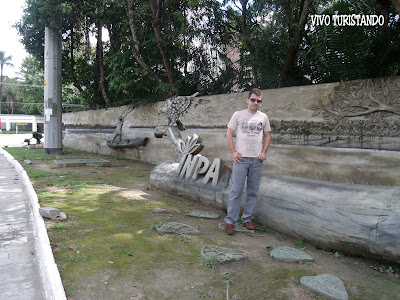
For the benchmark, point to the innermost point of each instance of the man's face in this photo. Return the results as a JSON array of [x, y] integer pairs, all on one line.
[[254, 102]]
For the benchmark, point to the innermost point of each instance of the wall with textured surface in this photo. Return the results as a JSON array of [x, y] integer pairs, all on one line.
[[343, 132]]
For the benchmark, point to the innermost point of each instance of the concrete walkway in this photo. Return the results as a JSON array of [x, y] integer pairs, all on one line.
[[27, 267]]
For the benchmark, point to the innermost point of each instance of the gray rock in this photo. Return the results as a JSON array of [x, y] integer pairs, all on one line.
[[49, 212], [177, 228], [222, 254], [161, 210], [27, 162], [203, 214], [62, 216], [290, 254], [327, 285], [79, 162]]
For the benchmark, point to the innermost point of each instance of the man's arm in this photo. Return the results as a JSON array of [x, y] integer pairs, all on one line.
[[229, 138], [267, 141]]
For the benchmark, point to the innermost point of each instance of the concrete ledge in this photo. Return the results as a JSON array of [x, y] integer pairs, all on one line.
[[359, 220], [49, 271]]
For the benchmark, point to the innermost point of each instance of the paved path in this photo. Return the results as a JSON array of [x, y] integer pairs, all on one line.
[[19, 264]]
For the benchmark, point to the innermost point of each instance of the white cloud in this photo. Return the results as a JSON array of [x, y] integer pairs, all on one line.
[[10, 13]]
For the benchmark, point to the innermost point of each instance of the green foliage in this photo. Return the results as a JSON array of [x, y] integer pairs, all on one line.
[[223, 48], [77, 258], [185, 237], [129, 253], [57, 226], [210, 262], [34, 173], [227, 277], [337, 254], [32, 93]]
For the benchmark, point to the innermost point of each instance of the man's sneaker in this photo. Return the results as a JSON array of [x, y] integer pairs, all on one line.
[[249, 225], [229, 229]]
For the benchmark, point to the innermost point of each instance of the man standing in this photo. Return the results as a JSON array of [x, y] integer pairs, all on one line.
[[248, 153]]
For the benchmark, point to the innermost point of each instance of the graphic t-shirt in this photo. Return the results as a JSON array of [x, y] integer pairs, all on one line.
[[250, 130]]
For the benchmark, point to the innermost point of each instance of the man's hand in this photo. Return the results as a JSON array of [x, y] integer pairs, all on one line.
[[262, 156], [237, 156]]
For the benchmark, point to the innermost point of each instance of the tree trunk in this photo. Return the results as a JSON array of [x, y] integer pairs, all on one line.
[[101, 65], [396, 4], [248, 43], [135, 48], [295, 41], [156, 6], [72, 63], [1, 87], [385, 11]]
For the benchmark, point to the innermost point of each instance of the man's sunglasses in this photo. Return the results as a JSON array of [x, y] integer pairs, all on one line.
[[254, 100]]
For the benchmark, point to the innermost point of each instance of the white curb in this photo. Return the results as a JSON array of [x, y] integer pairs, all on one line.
[[51, 277]]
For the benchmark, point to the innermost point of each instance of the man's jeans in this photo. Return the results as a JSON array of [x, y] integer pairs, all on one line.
[[250, 168]]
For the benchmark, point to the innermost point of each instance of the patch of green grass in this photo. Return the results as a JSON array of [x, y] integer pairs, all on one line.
[[337, 254], [129, 253], [77, 258], [210, 262], [261, 229], [185, 237], [300, 243], [35, 173], [75, 185], [108, 227], [57, 226], [281, 237], [66, 176], [22, 154]]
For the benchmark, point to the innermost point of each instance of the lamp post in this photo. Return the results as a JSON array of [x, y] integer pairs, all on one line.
[[52, 86]]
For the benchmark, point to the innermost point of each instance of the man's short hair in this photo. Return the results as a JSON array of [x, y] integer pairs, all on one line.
[[256, 92]]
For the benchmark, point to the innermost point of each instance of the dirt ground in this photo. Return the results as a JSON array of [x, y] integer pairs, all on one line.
[[109, 248]]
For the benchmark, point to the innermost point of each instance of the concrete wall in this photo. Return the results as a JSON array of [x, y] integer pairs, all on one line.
[[303, 143]]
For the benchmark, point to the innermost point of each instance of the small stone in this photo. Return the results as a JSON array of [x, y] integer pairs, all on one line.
[[290, 254], [203, 214], [177, 228], [327, 285], [62, 216], [27, 162], [49, 212], [160, 210], [222, 254]]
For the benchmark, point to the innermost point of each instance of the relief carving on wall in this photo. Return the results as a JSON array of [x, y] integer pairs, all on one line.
[[372, 99]]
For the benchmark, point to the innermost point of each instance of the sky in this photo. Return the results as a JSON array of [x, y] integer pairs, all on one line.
[[10, 13]]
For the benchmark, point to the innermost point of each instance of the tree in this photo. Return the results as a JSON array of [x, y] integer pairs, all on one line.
[[4, 61], [32, 92], [299, 16], [161, 47]]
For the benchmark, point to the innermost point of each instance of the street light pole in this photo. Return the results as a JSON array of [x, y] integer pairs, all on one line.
[[52, 89]]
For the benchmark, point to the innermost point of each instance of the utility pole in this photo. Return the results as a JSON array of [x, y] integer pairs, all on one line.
[[52, 86]]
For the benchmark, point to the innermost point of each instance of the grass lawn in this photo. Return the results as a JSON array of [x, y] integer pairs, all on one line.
[[109, 248]]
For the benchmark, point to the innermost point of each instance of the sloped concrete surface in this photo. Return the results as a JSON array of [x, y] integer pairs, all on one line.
[[27, 267]]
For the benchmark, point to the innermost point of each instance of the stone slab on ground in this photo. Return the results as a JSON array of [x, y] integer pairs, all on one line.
[[327, 285], [222, 254], [49, 212], [290, 254], [238, 228], [79, 162], [177, 228], [203, 214]]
